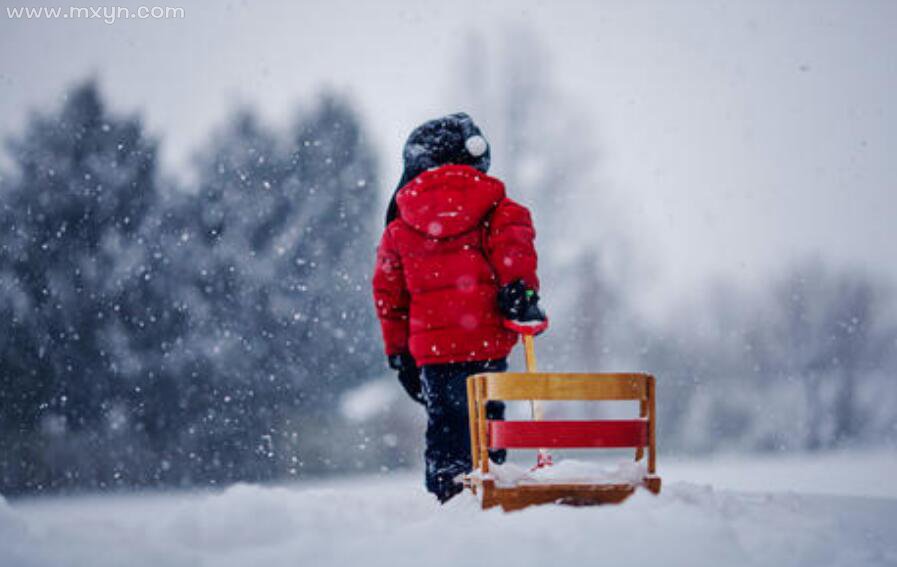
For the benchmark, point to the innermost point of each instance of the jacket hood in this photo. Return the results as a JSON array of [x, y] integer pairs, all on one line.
[[448, 200]]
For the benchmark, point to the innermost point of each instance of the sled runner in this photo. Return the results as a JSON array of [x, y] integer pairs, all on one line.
[[538, 434]]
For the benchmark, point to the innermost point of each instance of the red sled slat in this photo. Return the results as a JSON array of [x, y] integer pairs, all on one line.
[[567, 434]]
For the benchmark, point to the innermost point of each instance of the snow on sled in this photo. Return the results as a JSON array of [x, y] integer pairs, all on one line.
[[517, 491]]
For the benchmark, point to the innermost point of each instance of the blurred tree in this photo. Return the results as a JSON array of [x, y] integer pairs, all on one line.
[[805, 363], [334, 255], [830, 334], [285, 235], [154, 335], [72, 253]]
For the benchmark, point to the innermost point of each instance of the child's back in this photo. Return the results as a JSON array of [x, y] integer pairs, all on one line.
[[456, 241]]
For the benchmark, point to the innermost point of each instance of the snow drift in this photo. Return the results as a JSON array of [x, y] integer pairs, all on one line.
[[389, 520]]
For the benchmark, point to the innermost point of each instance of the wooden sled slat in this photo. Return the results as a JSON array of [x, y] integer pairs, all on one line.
[[554, 386], [567, 434], [525, 495]]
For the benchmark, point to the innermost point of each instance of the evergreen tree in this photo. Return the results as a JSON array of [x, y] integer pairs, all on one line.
[[72, 250], [335, 252], [284, 230]]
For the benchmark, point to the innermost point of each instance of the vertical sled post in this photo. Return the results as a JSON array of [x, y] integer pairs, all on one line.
[[472, 418]]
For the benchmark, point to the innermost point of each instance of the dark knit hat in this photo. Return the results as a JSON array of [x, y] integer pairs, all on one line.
[[451, 139]]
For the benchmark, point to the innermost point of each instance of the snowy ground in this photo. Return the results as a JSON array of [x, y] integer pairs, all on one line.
[[796, 510]]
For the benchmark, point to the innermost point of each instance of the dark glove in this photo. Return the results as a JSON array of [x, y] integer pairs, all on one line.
[[517, 303], [409, 375]]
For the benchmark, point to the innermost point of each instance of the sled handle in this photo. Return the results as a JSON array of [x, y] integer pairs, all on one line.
[[530, 351], [527, 331], [543, 457]]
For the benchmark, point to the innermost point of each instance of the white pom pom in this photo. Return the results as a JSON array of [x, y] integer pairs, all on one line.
[[476, 145]]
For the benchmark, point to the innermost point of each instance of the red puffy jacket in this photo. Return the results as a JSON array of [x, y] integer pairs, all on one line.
[[440, 264]]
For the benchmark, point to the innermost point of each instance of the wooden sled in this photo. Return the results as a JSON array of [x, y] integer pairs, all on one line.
[[487, 434]]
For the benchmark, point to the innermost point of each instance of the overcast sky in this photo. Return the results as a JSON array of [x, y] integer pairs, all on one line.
[[739, 135]]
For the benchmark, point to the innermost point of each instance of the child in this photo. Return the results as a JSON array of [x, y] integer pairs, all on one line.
[[455, 262]]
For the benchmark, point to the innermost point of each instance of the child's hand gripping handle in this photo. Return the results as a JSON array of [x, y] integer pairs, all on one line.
[[528, 330], [520, 307]]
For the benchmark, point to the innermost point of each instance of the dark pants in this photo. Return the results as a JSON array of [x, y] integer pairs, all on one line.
[[448, 434]]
